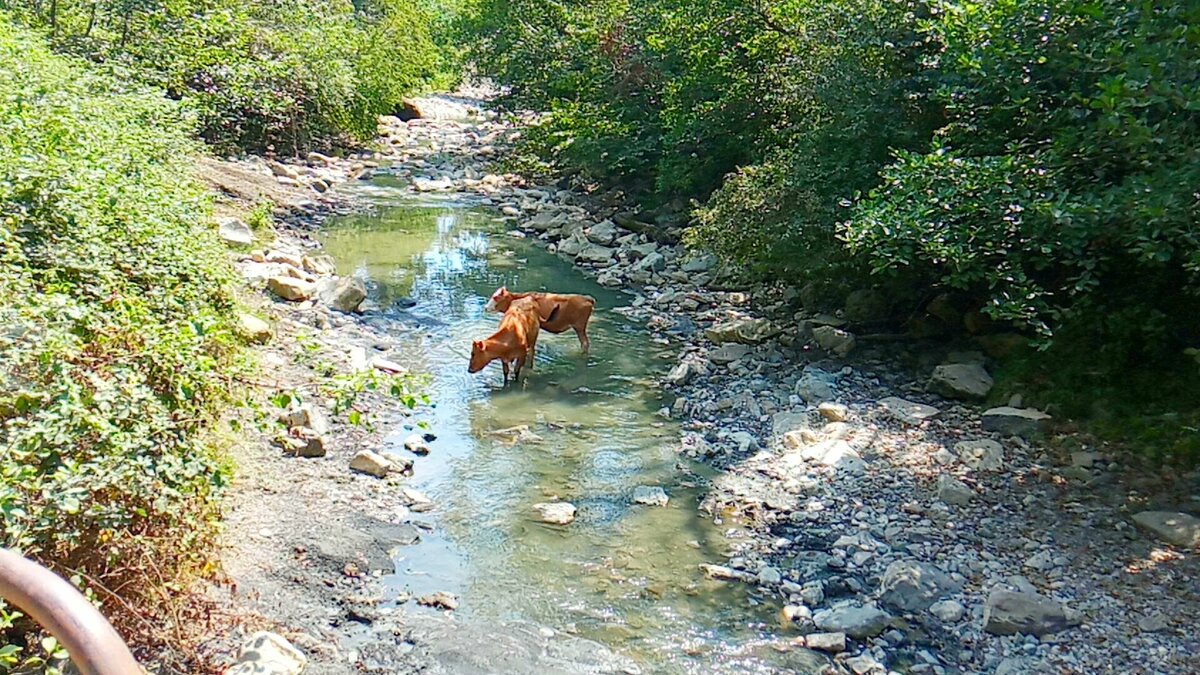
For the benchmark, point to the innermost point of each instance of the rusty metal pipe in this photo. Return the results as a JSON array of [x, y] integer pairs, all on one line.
[[94, 646]]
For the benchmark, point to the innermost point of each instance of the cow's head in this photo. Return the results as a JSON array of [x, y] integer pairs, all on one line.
[[479, 357], [499, 301]]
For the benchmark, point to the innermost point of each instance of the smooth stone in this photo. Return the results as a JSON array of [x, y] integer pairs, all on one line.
[[1179, 529], [907, 412], [1024, 422], [291, 288], [375, 464], [1009, 613], [555, 513], [834, 643], [857, 621], [969, 381]]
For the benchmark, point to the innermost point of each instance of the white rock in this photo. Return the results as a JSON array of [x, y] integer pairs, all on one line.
[[291, 288], [234, 232], [268, 654], [415, 443], [834, 412], [557, 513], [949, 611], [769, 576], [375, 464]]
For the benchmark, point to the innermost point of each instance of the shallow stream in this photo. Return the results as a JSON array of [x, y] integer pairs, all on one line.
[[582, 428]]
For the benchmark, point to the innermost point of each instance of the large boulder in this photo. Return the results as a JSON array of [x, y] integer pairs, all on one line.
[[345, 294], [1011, 612], [961, 381], [1024, 422], [1179, 529], [857, 621], [911, 586]]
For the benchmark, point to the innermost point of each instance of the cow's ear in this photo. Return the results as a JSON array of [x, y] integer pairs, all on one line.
[[478, 344], [503, 290]]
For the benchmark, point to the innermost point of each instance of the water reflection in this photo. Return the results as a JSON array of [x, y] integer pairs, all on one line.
[[582, 429]]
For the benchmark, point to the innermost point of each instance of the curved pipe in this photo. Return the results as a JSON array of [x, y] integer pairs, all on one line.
[[94, 646]]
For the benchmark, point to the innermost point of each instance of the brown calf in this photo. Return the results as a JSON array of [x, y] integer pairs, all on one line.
[[516, 341], [557, 311]]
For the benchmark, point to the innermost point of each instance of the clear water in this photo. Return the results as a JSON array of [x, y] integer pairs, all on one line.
[[625, 575]]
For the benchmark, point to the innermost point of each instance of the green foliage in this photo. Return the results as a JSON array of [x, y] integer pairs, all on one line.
[[1039, 159], [115, 308], [282, 75]]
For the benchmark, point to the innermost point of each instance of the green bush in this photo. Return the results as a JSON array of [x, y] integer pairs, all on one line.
[[115, 327], [282, 75], [1037, 159]]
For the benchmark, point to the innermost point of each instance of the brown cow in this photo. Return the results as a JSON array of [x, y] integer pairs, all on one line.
[[515, 341], [557, 311]]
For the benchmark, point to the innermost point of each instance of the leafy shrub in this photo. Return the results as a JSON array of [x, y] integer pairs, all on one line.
[[114, 327], [1064, 181], [284, 75]]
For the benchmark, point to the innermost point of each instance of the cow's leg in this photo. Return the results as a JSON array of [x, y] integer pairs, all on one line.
[[581, 332], [520, 365], [504, 363]]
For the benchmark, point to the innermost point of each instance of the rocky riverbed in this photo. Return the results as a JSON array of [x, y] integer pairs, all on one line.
[[903, 526]]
